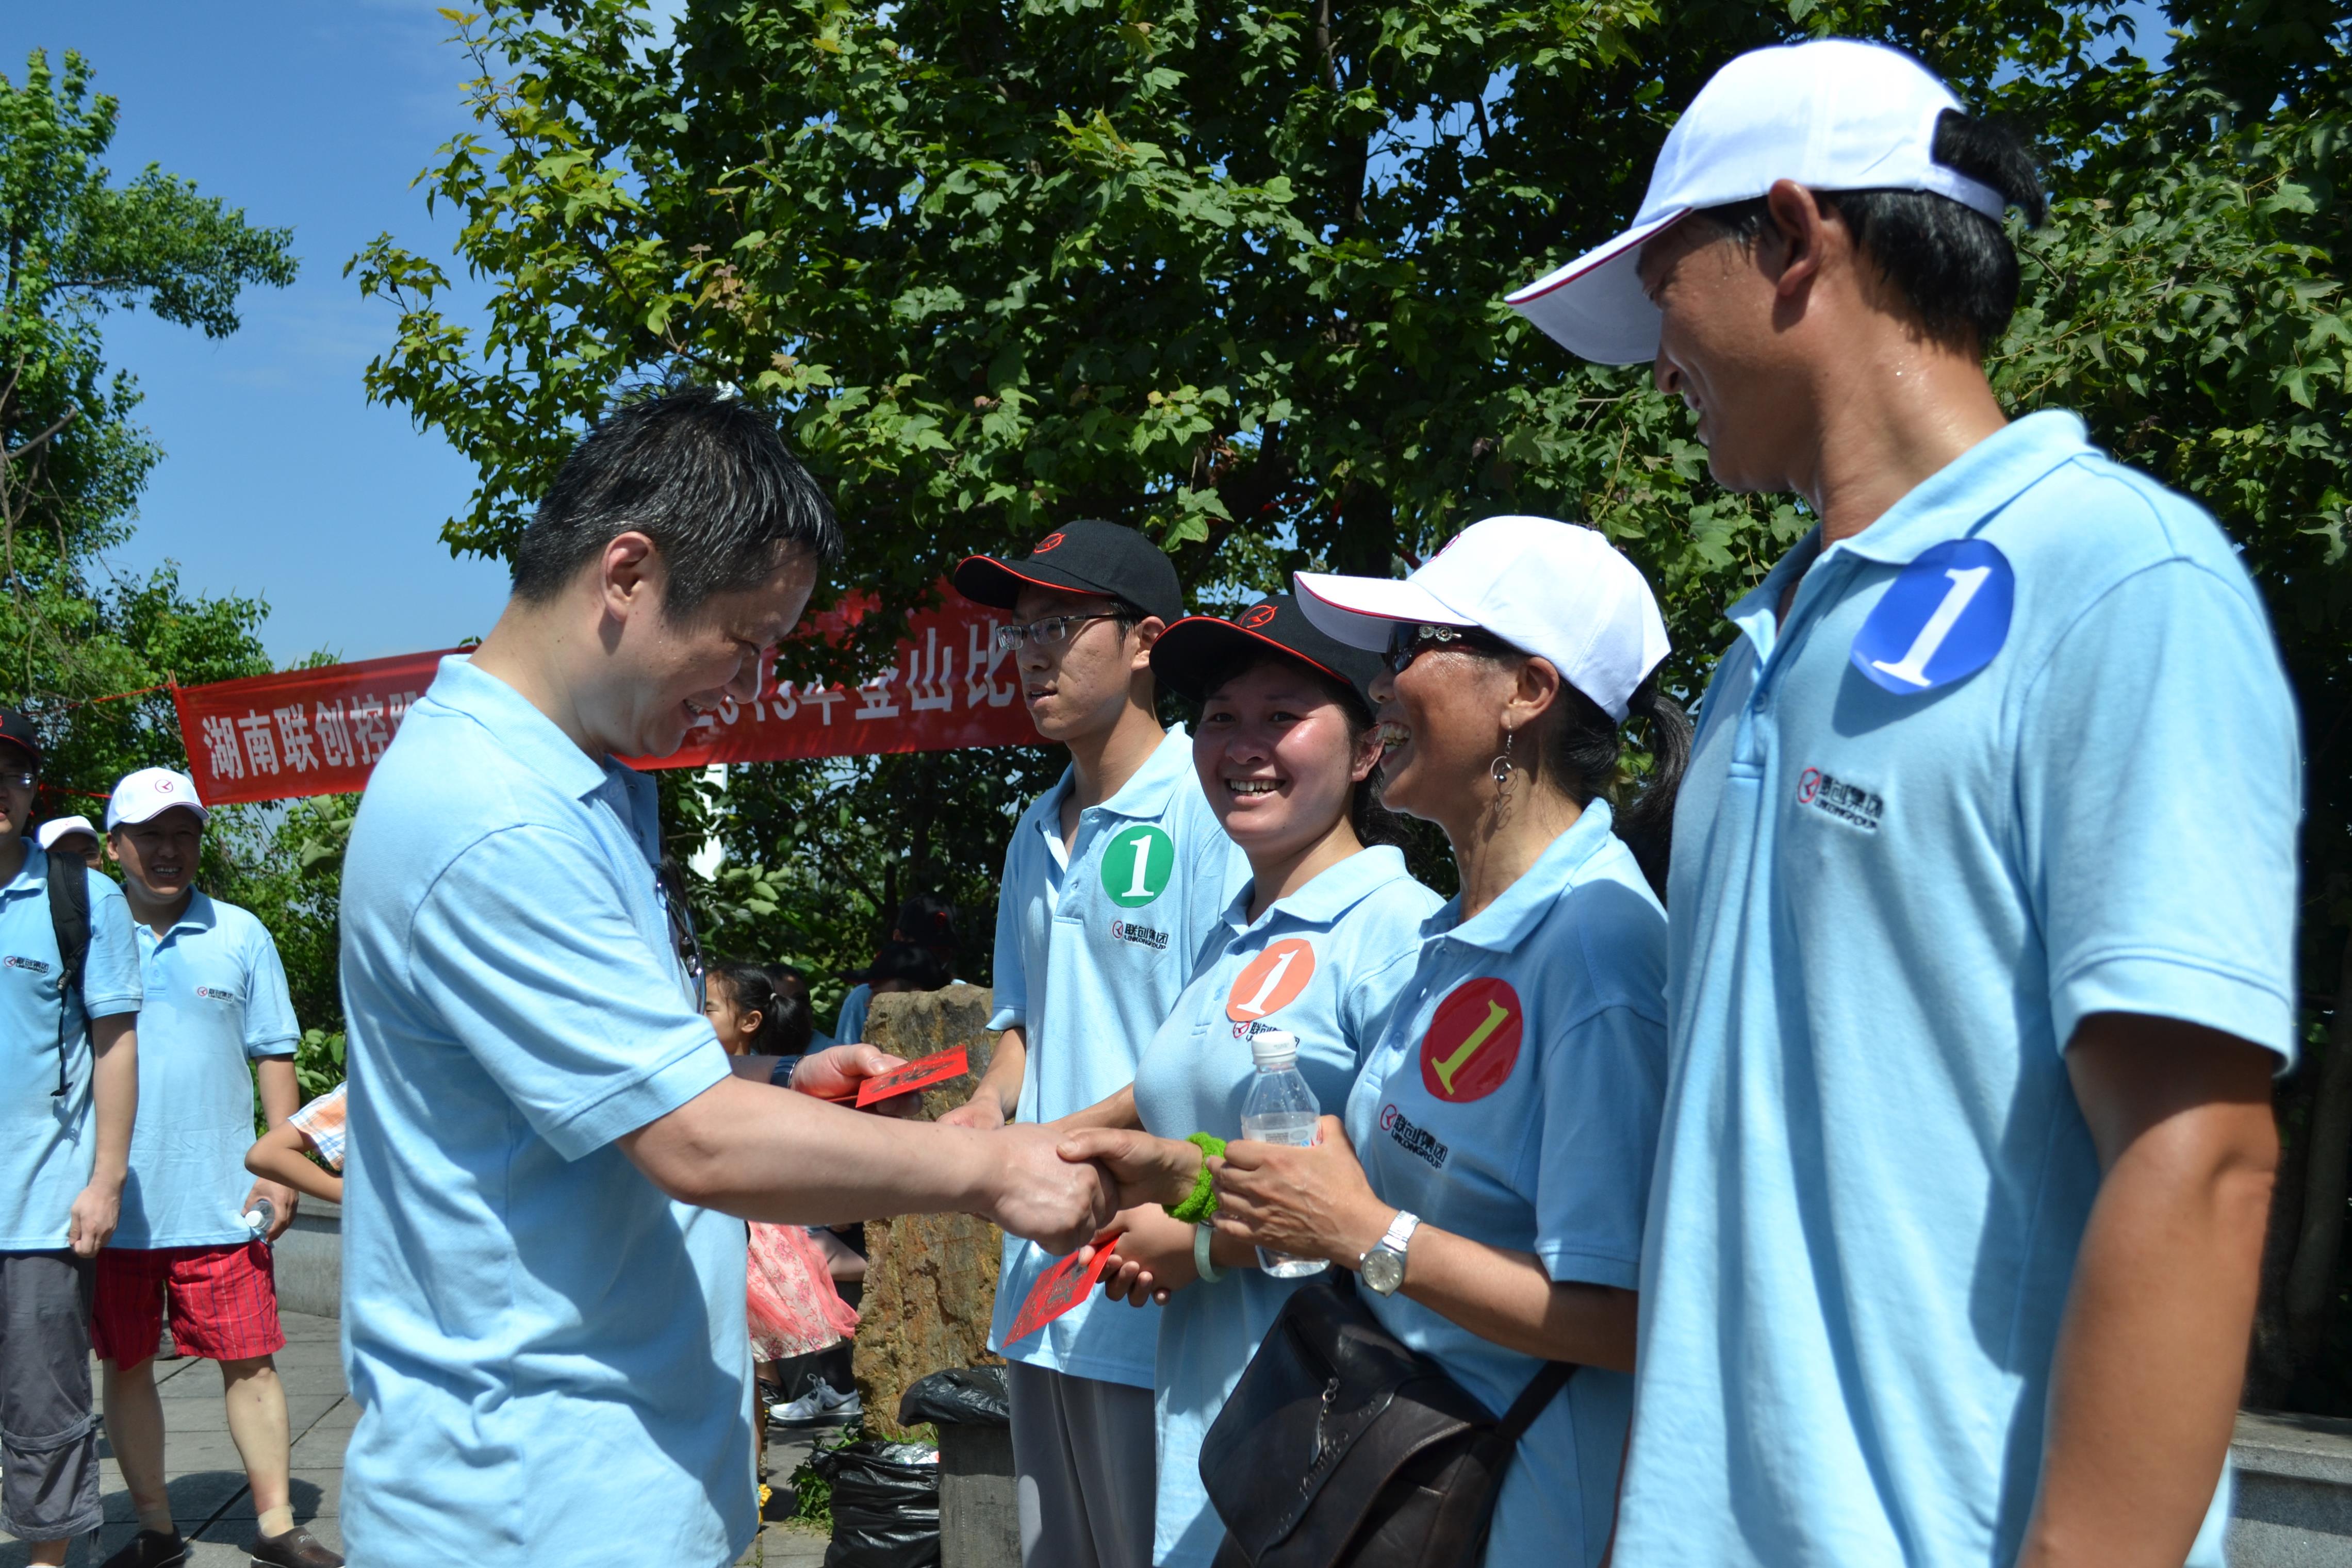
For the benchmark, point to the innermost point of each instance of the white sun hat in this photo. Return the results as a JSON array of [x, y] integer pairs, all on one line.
[[1550, 588], [147, 794], [57, 827], [1834, 114]]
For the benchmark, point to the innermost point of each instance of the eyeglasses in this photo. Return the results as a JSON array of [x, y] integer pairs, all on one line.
[[19, 781], [1051, 632], [682, 937], [1409, 640]]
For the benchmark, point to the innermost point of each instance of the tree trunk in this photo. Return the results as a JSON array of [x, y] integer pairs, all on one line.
[[2311, 1281]]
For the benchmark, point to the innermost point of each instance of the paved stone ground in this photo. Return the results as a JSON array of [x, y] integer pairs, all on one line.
[[205, 1478], [207, 1481]]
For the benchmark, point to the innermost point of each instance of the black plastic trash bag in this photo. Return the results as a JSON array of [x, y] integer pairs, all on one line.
[[960, 1397], [886, 1504]]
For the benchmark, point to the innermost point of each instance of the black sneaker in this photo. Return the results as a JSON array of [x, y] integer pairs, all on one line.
[[298, 1548], [150, 1549]]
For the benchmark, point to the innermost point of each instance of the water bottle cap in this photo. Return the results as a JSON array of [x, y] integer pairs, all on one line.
[[1274, 1047]]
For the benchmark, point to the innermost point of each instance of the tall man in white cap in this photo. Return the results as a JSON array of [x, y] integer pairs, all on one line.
[[218, 1021], [1983, 893]]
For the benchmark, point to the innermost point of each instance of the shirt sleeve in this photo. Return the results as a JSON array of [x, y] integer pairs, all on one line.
[[2160, 786], [1604, 1084], [525, 950], [322, 1120], [270, 1028], [1011, 979], [110, 973]]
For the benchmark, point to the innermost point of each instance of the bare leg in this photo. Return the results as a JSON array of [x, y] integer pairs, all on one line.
[[134, 1425], [47, 1553], [258, 1424]]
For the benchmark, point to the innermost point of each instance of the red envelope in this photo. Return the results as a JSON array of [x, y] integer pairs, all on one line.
[[949, 1063], [1059, 1289]]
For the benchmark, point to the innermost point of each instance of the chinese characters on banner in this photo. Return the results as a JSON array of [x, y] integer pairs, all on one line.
[[320, 731]]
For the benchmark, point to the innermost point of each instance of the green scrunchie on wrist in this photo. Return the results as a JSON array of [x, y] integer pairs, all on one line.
[[1202, 1201]]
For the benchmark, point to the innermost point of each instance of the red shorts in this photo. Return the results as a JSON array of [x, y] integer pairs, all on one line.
[[224, 1302]]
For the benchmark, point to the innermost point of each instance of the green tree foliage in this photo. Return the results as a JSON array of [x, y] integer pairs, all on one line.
[[1231, 273], [75, 245]]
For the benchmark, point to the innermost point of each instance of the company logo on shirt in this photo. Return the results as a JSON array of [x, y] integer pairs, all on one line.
[[1473, 1041], [1141, 935], [214, 994], [1137, 865], [1272, 981], [1944, 617], [1418, 1142], [35, 965], [1849, 803]]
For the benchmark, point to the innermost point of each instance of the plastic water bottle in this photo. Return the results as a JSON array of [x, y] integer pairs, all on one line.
[[261, 1216], [1280, 1109]]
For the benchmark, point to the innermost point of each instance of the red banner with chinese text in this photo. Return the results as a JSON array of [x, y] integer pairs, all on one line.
[[320, 732]]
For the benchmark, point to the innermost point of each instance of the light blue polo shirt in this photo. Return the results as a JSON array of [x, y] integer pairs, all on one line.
[[1891, 909], [550, 1354], [215, 1001], [849, 1027], [1325, 964], [1514, 1100], [46, 1150], [1092, 950]]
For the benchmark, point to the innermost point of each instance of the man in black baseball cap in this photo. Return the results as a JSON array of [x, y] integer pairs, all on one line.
[[1112, 881]]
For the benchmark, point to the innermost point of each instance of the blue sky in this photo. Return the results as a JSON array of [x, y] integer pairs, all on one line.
[[278, 478]]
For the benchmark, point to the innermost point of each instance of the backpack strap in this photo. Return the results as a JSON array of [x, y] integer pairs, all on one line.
[[69, 914], [1533, 1400]]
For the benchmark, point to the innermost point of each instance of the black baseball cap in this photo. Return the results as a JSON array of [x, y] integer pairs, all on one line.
[[17, 728], [1089, 556], [1196, 647]]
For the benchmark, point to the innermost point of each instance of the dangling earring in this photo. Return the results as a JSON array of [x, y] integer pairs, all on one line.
[[1502, 767]]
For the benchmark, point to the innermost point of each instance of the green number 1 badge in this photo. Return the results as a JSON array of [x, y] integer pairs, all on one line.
[[1137, 865]]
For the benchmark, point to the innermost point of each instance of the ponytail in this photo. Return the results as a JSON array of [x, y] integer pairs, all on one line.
[[1647, 822]]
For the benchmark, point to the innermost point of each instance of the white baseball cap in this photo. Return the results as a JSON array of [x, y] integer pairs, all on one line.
[[58, 828], [1550, 588], [143, 796], [1834, 115]]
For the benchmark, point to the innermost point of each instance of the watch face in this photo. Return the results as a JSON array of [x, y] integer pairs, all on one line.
[[1384, 1270]]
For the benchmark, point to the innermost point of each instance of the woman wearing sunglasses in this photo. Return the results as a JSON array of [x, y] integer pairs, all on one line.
[[1488, 1181], [1317, 947]]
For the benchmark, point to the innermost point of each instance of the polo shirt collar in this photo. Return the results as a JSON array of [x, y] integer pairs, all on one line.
[[1504, 925], [1950, 503], [1145, 796], [1330, 896], [200, 915], [527, 734]]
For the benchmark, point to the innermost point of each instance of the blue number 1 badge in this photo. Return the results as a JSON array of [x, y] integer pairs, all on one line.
[[1946, 616]]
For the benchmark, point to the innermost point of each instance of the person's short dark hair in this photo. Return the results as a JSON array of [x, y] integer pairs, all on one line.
[[918, 967], [1953, 266], [927, 920], [707, 479], [789, 1028], [789, 980]]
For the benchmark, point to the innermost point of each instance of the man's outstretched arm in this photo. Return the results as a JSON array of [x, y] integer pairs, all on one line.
[[2143, 1386], [772, 1155]]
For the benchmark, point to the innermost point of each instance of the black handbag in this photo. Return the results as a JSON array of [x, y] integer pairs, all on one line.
[[1342, 1448]]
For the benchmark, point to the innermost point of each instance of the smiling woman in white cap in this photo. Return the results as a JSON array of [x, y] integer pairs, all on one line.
[[1978, 992], [1488, 1181]]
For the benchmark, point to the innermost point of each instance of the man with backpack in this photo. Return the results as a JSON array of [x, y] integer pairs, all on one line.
[[70, 999]]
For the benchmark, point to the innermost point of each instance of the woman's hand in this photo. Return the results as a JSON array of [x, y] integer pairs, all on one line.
[[1152, 1259], [1148, 1169], [1311, 1203]]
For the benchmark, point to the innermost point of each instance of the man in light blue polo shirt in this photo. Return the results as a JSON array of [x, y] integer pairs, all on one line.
[[1983, 891], [543, 1308], [1113, 879], [218, 1024], [69, 1091]]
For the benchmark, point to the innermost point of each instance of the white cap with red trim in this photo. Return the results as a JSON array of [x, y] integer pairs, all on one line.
[[147, 794], [1834, 114], [1548, 588]]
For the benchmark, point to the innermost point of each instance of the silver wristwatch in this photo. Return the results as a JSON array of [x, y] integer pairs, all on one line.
[[1384, 1266]]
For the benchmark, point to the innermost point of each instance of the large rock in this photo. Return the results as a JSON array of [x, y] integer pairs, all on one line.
[[931, 1278]]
